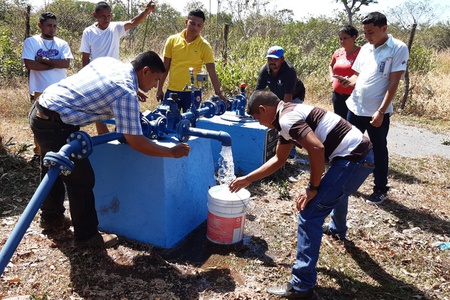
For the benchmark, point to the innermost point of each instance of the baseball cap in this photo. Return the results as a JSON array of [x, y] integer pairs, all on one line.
[[275, 52]]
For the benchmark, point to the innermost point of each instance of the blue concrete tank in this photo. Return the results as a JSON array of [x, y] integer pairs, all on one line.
[[253, 144], [154, 200]]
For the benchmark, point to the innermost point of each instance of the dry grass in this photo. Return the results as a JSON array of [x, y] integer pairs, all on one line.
[[15, 100], [429, 94], [430, 97]]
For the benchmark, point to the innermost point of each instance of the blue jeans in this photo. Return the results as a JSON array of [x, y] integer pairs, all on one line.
[[341, 180], [378, 137]]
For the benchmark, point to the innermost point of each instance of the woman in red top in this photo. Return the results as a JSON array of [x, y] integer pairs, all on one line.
[[341, 65]]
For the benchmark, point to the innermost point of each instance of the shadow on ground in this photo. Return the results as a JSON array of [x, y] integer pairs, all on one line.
[[425, 220], [388, 286], [198, 251], [193, 267]]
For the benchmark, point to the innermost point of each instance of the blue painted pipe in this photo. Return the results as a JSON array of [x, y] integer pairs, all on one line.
[[79, 144], [204, 111], [33, 206], [107, 137], [222, 136], [27, 216]]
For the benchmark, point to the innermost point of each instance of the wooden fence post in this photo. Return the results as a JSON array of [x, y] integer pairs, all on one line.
[[27, 21], [226, 30], [407, 82]]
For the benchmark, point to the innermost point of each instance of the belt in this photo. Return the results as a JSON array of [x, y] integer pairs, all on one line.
[[41, 115], [353, 158], [341, 158], [47, 114]]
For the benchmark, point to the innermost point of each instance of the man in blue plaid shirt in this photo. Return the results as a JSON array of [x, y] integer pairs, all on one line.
[[104, 89]]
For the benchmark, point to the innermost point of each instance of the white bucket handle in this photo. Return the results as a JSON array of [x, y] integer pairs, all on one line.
[[245, 205]]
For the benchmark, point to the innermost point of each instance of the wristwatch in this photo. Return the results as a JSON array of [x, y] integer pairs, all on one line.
[[313, 187]]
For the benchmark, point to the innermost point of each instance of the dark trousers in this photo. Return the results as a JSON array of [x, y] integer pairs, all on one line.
[[378, 137], [339, 105], [51, 134]]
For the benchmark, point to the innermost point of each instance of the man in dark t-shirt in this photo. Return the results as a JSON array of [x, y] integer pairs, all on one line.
[[281, 78]]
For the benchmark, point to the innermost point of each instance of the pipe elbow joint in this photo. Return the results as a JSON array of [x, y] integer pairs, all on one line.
[[225, 138]]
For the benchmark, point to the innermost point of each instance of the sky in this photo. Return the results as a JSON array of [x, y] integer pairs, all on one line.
[[302, 8]]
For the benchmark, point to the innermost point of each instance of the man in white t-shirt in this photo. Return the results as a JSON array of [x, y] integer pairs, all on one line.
[[47, 57], [103, 37]]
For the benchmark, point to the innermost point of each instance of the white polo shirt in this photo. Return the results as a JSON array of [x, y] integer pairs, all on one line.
[[374, 66]]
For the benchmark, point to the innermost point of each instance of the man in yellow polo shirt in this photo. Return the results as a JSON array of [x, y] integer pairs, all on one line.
[[185, 50]]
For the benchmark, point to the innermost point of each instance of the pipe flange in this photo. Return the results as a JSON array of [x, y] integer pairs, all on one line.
[[211, 109], [86, 144], [147, 127], [64, 164], [160, 128], [183, 129], [221, 107]]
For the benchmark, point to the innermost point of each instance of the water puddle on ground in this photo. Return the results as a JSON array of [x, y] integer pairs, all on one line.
[[197, 250]]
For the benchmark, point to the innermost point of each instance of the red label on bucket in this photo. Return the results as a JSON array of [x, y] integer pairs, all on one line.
[[224, 230]]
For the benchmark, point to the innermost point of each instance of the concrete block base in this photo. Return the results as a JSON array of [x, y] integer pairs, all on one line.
[[150, 199]]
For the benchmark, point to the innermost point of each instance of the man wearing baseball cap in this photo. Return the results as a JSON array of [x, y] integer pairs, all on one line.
[[282, 80], [280, 76]]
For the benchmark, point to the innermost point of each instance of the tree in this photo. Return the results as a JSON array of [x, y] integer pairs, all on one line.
[[437, 36], [354, 6], [10, 63], [411, 12], [194, 4], [73, 18], [285, 16], [247, 15]]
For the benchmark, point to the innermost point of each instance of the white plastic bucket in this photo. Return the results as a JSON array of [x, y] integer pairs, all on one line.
[[226, 214]]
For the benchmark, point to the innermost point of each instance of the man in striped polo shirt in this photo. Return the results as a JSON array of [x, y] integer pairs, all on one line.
[[327, 138]]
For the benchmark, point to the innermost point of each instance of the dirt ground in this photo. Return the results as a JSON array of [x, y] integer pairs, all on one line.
[[391, 252]]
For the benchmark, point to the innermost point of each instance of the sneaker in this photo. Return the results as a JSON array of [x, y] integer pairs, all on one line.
[[377, 198], [99, 240], [300, 161], [61, 222], [292, 179], [326, 230], [287, 291]]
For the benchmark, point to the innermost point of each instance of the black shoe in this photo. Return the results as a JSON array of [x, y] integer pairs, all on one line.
[[61, 222], [377, 198], [287, 291], [326, 230], [36, 158], [105, 240]]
